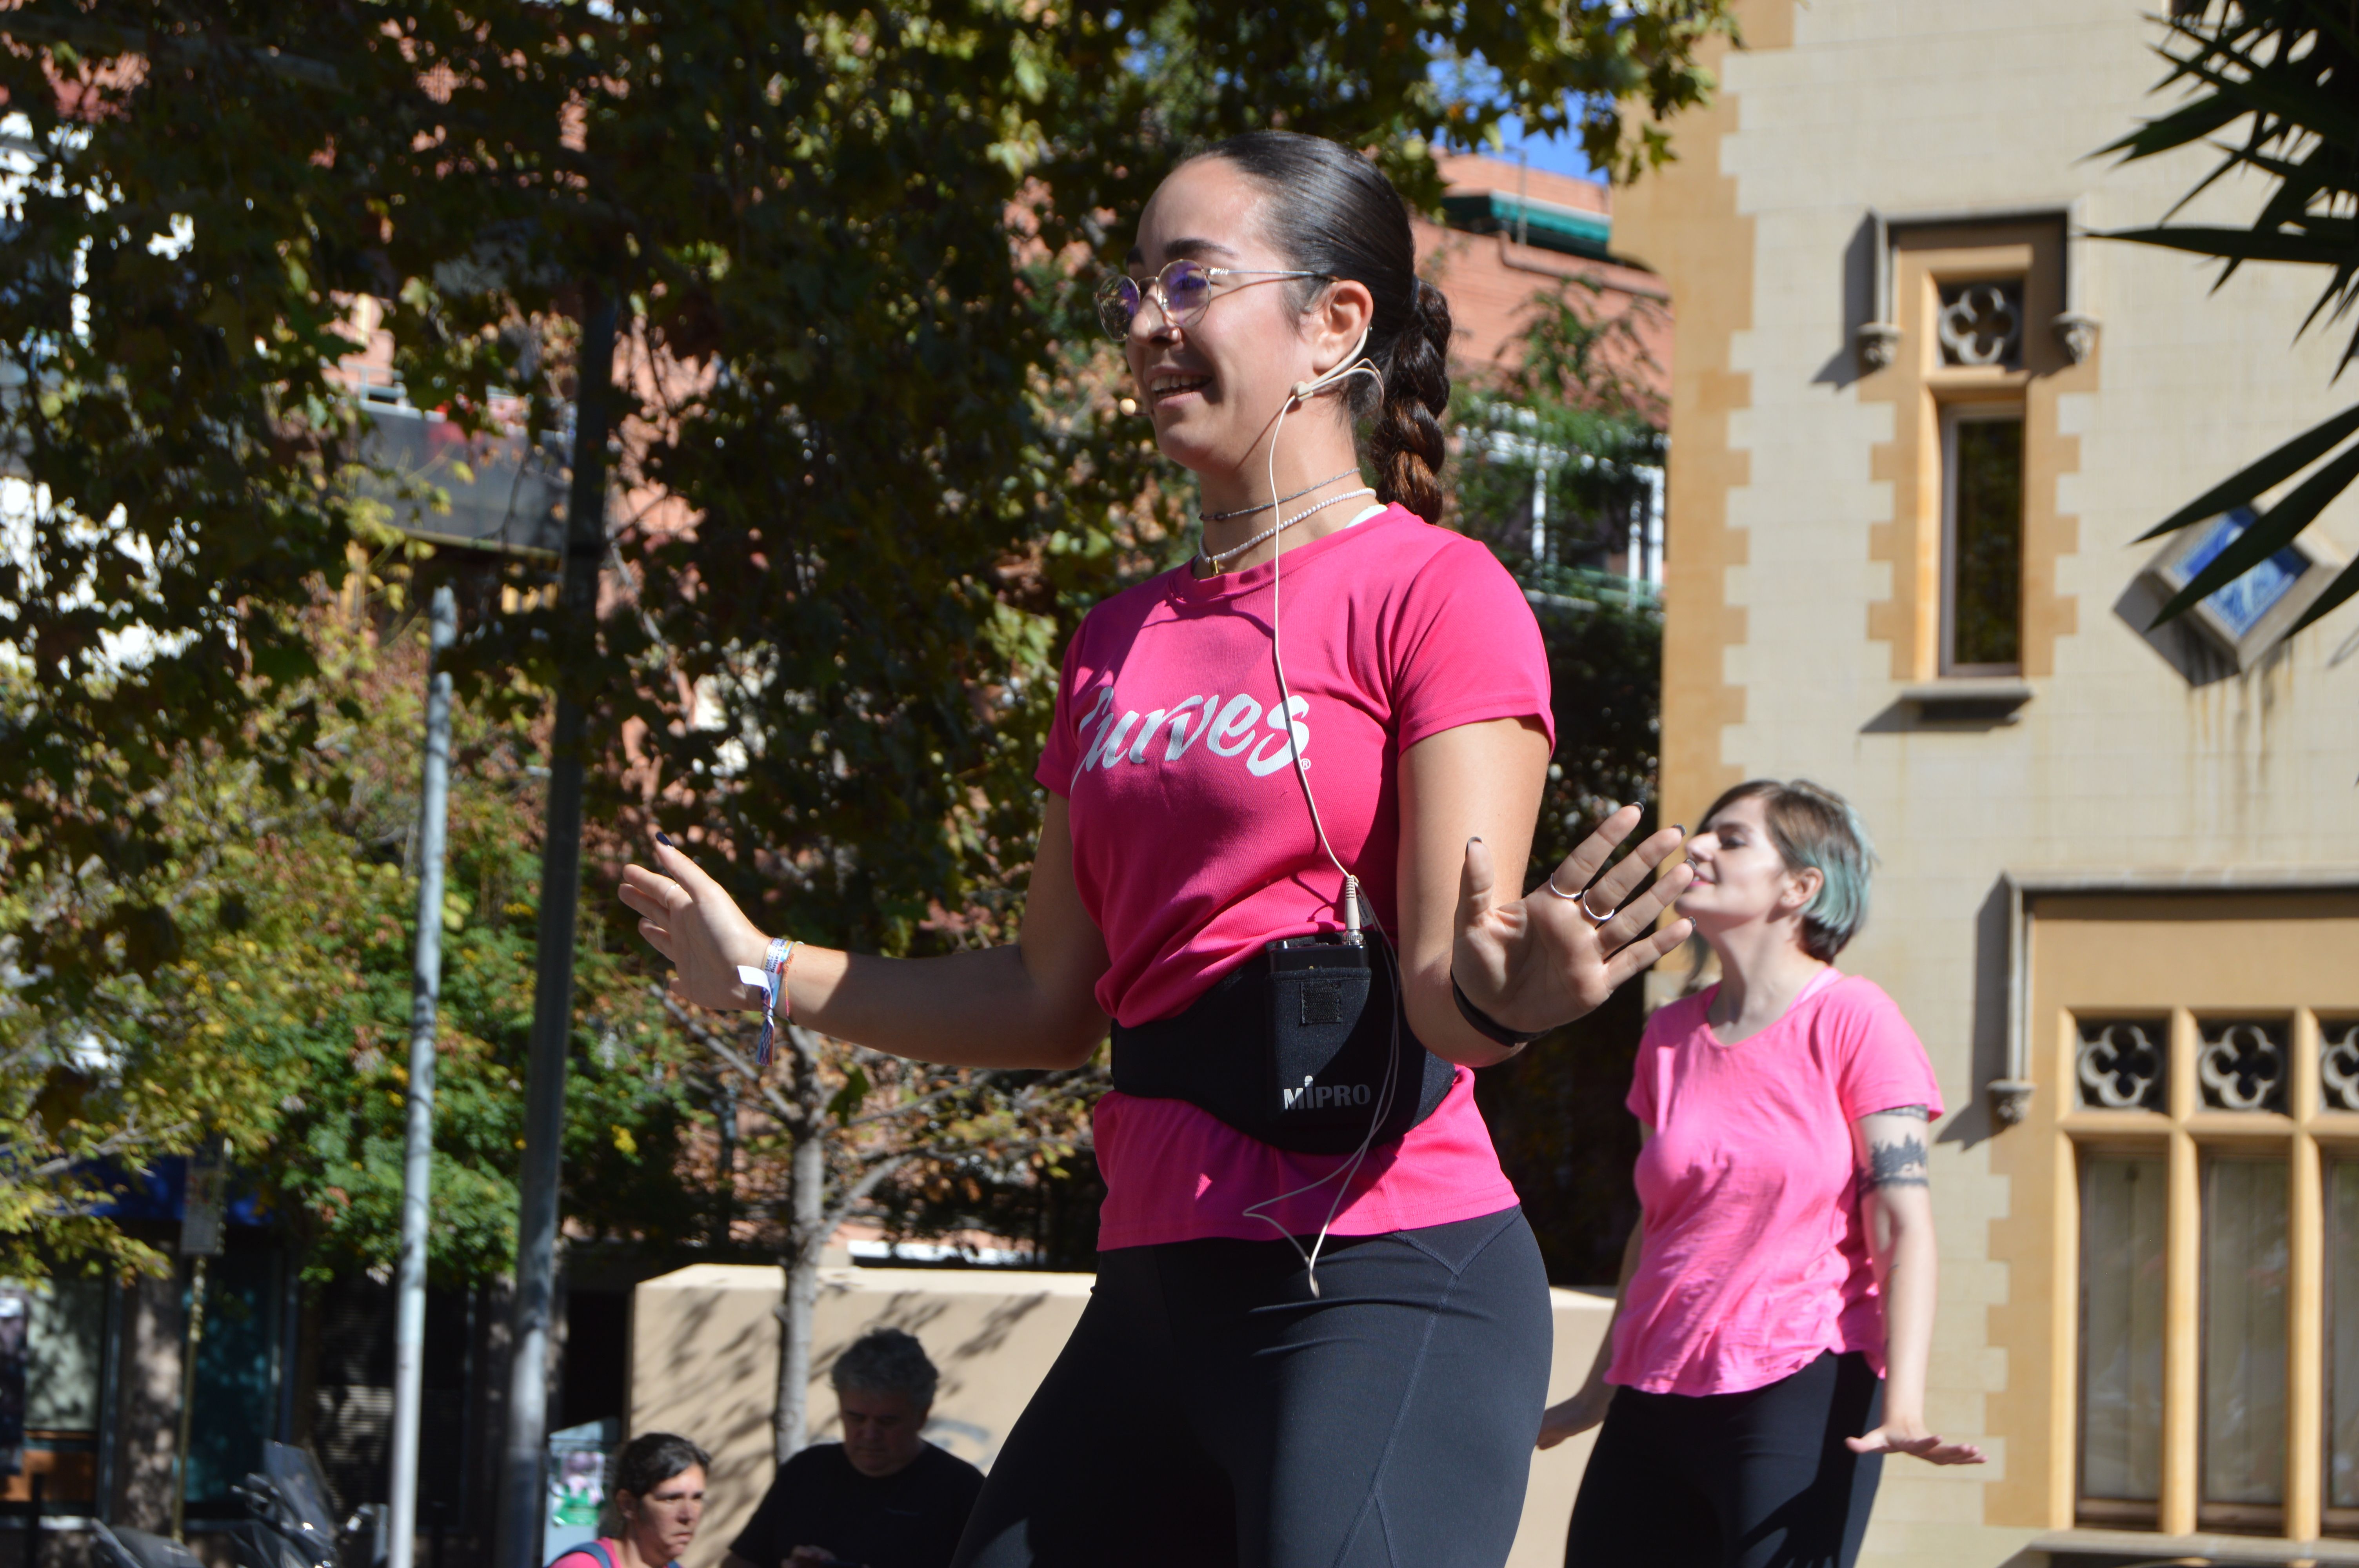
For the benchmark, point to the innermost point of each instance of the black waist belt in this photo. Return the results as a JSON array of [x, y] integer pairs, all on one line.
[[1292, 1047]]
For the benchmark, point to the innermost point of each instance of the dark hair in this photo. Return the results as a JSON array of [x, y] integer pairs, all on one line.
[[1813, 828], [1342, 218], [886, 1361], [650, 1459]]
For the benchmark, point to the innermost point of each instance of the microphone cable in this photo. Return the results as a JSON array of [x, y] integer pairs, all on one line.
[[1353, 911]]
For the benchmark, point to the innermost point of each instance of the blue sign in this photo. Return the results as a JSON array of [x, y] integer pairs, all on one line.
[[2241, 604]]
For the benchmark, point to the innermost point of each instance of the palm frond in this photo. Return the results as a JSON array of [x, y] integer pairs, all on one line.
[[2269, 532], [2240, 488], [2238, 245], [2176, 129], [2345, 584], [2289, 70]]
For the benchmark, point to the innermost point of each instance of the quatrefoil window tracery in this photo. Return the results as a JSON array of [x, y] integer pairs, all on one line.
[[2338, 1064], [2121, 1063], [2242, 1067], [1982, 323]]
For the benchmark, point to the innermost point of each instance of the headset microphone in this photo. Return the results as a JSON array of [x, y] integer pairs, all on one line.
[[1352, 364]]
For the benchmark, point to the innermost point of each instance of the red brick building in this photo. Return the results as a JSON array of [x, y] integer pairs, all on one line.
[[1511, 232], [1510, 235]]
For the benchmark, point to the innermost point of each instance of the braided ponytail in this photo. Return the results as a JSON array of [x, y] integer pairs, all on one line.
[[1407, 443], [1338, 217]]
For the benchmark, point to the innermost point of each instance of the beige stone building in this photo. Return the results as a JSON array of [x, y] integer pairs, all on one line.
[[1919, 421]]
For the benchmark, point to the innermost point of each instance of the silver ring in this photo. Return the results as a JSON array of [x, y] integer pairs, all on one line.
[[1581, 898]]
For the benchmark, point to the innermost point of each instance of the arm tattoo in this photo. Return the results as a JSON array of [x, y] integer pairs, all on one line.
[[1898, 1165]]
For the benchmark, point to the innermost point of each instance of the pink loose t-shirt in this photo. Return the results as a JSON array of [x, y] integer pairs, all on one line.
[[1193, 846], [1755, 1257]]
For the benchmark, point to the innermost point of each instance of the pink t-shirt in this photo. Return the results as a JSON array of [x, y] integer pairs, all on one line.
[[1193, 846], [1755, 1257], [583, 1557]]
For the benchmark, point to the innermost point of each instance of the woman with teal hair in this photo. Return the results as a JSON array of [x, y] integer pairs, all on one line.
[[1775, 1313]]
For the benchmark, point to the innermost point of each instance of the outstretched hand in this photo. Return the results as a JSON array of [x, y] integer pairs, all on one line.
[[1910, 1437], [1571, 1418], [690, 920], [1536, 962]]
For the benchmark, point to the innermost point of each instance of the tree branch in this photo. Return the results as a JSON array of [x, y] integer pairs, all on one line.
[[113, 1143], [932, 1096], [841, 1210], [789, 1115]]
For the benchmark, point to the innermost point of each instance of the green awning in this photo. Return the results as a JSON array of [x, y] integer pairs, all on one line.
[[1546, 224]]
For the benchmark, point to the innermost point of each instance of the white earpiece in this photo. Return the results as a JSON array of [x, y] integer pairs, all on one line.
[[1348, 366]]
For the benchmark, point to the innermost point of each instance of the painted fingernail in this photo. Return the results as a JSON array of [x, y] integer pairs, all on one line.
[[1476, 839], [664, 838]]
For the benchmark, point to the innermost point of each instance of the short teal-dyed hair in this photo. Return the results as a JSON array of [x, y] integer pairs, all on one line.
[[1815, 829]]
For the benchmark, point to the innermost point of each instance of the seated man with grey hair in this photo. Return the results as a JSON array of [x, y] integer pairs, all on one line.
[[884, 1497]]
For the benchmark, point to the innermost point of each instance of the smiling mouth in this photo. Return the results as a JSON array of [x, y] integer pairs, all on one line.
[[1172, 386]]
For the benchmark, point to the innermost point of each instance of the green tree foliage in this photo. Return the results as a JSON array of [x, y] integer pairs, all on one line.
[[1555, 1110], [809, 211], [1573, 416], [276, 1012], [2278, 75], [853, 247], [1565, 431]]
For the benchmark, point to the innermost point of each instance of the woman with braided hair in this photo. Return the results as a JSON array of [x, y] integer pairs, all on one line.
[[1281, 781]]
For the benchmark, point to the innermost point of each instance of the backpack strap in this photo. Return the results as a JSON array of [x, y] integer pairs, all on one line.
[[591, 1548]]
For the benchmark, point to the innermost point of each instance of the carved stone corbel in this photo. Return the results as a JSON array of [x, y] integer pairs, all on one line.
[[2076, 334], [2010, 1100], [1878, 344]]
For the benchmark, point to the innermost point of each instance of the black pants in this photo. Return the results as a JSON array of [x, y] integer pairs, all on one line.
[[1210, 1411], [1759, 1479]]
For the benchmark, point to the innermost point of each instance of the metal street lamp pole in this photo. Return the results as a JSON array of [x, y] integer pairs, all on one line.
[[522, 1486], [418, 1152], [200, 1240], [192, 1342]]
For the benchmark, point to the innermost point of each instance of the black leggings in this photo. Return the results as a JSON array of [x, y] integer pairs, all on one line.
[[1759, 1479], [1210, 1411]]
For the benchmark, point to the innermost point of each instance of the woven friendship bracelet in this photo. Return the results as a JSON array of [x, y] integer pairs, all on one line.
[[777, 963]]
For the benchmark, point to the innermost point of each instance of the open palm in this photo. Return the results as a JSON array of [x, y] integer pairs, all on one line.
[[1536, 962]]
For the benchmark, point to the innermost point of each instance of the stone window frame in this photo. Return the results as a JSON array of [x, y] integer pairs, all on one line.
[[2045, 1131], [1902, 366], [2074, 332], [2190, 1134]]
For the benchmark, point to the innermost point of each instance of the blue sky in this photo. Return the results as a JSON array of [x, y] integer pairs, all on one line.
[[1554, 154]]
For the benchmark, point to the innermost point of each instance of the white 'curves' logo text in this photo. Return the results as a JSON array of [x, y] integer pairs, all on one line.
[[1265, 739]]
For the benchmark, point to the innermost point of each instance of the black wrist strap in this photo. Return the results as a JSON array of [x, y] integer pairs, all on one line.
[[1485, 1025]]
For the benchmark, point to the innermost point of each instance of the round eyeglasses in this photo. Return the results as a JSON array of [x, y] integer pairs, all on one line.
[[1180, 291]]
